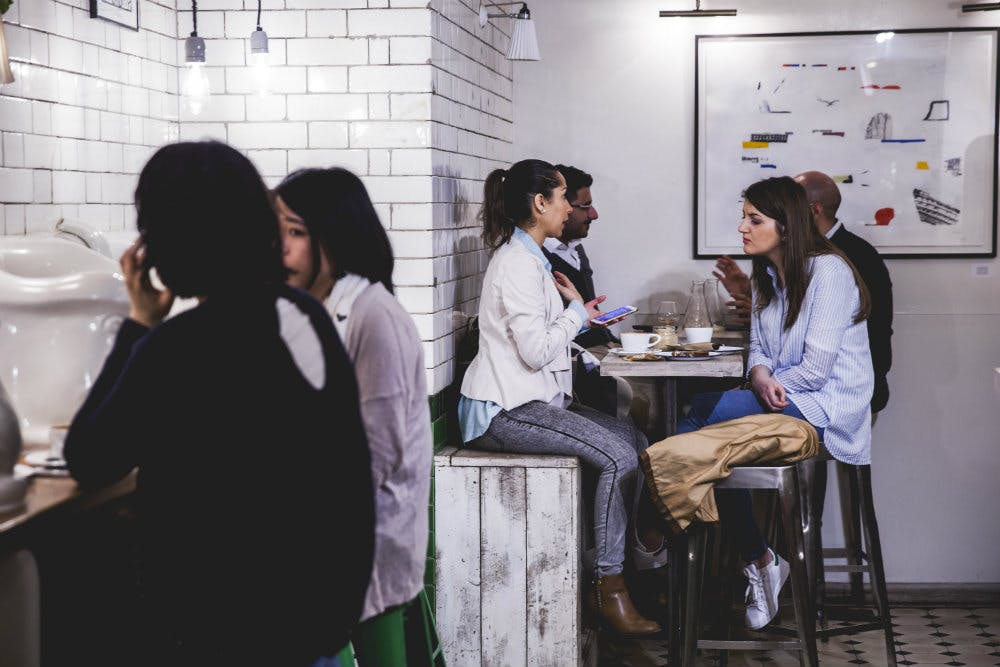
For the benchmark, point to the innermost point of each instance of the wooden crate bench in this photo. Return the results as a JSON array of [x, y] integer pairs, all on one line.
[[507, 530]]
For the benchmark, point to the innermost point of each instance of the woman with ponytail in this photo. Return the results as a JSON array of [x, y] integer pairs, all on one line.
[[517, 394]]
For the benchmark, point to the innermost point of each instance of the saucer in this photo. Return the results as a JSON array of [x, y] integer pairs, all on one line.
[[621, 352]]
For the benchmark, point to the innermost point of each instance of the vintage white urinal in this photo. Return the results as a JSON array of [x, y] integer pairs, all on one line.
[[60, 307]]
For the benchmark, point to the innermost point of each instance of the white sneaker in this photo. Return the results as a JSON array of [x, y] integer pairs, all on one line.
[[649, 560], [763, 586]]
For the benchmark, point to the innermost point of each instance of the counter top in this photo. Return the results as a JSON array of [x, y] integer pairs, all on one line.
[[49, 498]]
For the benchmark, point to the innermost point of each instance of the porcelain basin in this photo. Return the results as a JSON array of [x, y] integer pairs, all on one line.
[[60, 307]]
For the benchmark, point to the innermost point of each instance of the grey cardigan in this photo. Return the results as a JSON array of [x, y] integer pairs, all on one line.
[[388, 357]]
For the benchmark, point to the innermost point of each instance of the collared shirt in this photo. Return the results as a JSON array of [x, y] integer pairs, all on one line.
[[822, 360], [833, 230], [474, 416], [566, 251]]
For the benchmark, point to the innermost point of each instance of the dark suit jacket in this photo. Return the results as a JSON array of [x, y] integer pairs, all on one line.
[[876, 277], [583, 280]]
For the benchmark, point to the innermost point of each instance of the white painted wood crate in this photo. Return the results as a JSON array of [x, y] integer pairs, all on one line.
[[507, 531]]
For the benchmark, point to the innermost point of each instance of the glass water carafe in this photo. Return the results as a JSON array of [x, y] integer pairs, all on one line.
[[716, 305], [697, 315]]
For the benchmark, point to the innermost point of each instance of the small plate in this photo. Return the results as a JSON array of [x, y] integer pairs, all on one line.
[[621, 352], [684, 357]]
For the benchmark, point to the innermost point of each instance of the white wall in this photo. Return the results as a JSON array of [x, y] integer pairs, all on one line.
[[90, 103], [613, 95]]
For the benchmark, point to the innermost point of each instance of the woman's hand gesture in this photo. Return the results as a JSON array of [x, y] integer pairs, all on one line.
[[768, 390], [741, 308], [149, 304], [570, 293], [731, 276]]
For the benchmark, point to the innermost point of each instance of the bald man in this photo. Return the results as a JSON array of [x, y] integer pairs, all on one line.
[[824, 200]]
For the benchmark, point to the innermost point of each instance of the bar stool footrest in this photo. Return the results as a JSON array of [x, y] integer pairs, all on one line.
[[823, 633], [749, 645]]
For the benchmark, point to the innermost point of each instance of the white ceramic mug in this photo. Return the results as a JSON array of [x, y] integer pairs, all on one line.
[[57, 438], [639, 342], [698, 334]]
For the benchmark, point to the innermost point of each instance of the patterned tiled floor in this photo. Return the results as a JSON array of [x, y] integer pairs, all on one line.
[[938, 636]]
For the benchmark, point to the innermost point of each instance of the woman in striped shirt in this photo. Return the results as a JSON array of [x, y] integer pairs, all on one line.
[[809, 358]]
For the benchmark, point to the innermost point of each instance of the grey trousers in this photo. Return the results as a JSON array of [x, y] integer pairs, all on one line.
[[607, 445]]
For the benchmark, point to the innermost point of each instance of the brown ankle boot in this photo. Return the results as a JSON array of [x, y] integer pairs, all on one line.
[[610, 601]]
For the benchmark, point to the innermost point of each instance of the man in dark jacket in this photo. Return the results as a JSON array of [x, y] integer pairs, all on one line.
[[824, 199], [566, 254]]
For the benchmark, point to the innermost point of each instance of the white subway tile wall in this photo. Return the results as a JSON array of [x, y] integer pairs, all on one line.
[[413, 96], [90, 102]]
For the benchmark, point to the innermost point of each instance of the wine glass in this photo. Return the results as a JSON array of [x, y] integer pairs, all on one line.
[[666, 314]]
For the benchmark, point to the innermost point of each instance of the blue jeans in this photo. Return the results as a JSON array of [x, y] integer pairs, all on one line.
[[329, 661], [735, 508]]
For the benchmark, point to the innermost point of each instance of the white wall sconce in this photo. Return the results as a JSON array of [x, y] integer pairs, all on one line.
[[981, 7], [697, 12], [194, 84], [523, 38], [6, 74]]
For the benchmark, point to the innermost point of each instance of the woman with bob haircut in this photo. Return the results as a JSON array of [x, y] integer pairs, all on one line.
[[242, 418], [809, 358], [517, 393], [336, 248]]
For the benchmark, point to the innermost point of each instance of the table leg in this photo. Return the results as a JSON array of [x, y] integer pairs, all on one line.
[[668, 404]]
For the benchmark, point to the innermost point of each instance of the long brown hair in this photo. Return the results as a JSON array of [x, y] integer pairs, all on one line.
[[785, 201], [507, 196]]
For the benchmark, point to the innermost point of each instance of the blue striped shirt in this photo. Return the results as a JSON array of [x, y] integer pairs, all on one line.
[[823, 361]]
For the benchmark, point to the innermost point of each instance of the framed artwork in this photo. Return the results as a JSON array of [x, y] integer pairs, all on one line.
[[905, 122], [123, 12]]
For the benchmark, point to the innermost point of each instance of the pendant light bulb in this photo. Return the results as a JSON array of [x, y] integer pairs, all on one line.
[[260, 57], [194, 82], [195, 88]]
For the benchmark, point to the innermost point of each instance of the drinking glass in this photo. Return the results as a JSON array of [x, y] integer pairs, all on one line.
[[666, 314]]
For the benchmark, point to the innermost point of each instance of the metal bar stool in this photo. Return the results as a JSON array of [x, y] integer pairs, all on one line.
[[689, 549], [858, 513]]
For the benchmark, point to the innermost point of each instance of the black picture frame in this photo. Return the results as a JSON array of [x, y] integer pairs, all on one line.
[[122, 12], [783, 89]]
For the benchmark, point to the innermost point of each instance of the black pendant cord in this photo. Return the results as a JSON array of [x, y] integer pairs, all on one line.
[[259, 2], [194, 18]]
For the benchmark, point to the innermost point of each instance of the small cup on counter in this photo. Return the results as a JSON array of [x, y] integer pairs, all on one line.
[[57, 438]]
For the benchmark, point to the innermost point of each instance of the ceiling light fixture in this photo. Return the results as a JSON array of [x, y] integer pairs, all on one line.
[[259, 57], [6, 74], [981, 7], [194, 85], [696, 12], [523, 38]]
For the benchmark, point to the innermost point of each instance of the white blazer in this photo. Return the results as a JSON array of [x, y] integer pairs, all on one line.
[[524, 333]]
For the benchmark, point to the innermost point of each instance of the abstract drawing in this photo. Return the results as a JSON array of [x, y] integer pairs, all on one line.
[[934, 211], [879, 127], [938, 110], [953, 166]]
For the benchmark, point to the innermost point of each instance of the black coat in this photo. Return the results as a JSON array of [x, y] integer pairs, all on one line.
[[254, 489], [875, 275]]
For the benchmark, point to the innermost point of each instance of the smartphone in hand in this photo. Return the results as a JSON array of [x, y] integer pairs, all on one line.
[[613, 316]]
